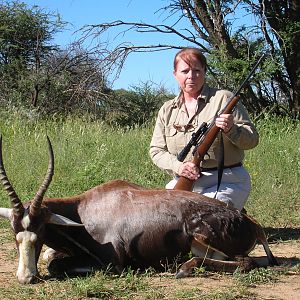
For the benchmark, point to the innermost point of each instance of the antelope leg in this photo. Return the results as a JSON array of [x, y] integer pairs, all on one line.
[[73, 266], [212, 260], [201, 248], [244, 265]]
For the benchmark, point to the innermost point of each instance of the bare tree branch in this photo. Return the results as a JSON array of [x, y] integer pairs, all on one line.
[[210, 29]]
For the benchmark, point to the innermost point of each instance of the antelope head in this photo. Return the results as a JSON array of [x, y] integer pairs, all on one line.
[[28, 222]]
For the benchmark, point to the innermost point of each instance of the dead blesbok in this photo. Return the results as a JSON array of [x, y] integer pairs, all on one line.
[[122, 224]]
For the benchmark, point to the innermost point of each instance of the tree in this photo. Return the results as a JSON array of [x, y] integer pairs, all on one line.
[[26, 33], [25, 36], [231, 51], [72, 80], [135, 106], [280, 26], [37, 74]]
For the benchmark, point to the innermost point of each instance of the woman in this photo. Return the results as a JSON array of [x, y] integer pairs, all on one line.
[[179, 118]]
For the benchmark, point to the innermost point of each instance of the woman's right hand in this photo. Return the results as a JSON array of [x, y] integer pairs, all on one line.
[[189, 170]]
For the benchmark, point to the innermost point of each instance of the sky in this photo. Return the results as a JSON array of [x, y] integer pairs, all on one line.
[[155, 67]]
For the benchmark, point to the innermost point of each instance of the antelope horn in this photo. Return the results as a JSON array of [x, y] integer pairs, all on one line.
[[35, 206], [18, 208]]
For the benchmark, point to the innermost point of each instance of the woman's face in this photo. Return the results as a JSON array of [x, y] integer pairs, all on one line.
[[190, 76]]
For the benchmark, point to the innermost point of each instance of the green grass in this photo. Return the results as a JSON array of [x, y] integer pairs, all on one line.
[[274, 166], [88, 153], [257, 276], [128, 286]]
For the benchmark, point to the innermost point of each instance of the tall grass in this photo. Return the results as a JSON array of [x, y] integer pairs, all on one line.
[[274, 166], [88, 153]]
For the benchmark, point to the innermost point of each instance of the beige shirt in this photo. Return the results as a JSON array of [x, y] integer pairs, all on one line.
[[167, 141]]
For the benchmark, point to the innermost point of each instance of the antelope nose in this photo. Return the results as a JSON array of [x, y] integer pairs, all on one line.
[[27, 280], [30, 277]]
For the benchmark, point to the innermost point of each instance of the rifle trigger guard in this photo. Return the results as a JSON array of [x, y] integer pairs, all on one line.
[[195, 149], [207, 155]]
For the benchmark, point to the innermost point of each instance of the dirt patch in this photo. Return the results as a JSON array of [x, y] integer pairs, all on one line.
[[287, 287], [8, 260]]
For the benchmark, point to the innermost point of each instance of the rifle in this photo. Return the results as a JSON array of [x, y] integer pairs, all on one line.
[[194, 141], [203, 138]]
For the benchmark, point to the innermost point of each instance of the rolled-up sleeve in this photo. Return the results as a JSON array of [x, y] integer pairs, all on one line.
[[243, 133]]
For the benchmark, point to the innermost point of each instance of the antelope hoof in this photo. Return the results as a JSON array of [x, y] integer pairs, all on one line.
[[181, 274]]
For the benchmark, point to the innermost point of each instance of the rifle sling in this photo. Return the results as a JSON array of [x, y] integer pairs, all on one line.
[[220, 162]]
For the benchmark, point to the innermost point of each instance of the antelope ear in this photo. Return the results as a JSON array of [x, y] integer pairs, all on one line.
[[61, 220], [6, 213]]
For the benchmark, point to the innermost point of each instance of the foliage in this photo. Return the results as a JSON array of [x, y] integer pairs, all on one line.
[[43, 80], [25, 36], [103, 285], [71, 81], [279, 25], [136, 106], [25, 33], [277, 157], [257, 276], [38, 75]]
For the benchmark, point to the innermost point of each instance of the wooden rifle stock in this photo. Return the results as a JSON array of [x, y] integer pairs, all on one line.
[[187, 184]]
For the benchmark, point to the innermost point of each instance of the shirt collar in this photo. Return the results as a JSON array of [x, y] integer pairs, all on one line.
[[177, 102], [204, 96]]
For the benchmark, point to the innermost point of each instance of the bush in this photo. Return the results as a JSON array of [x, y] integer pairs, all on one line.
[[136, 106]]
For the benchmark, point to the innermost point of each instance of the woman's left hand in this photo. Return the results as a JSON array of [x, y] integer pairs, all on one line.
[[225, 122]]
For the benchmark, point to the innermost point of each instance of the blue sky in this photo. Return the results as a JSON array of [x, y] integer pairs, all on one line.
[[155, 67]]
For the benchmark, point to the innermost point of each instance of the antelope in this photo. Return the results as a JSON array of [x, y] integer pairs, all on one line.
[[122, 224]]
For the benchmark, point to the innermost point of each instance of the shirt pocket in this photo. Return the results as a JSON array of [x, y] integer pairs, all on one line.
[[170, 131], [171, 139]]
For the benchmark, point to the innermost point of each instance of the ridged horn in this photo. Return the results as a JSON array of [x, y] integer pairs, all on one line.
[[18, 208], [35, 206]]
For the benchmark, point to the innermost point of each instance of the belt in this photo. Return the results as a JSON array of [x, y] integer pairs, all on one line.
[[225, 167]]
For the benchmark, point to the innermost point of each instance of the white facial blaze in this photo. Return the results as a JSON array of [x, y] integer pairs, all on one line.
[[27, 269], [25, 221]]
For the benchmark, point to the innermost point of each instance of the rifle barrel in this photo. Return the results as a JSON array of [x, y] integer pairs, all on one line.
[[249, 76]]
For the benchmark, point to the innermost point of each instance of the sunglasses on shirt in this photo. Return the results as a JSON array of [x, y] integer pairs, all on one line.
[[184, 128]]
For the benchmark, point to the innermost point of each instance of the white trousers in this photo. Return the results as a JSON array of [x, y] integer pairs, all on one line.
[[235, 186]]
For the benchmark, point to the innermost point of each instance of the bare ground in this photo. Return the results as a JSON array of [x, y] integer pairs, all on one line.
[[285, 245]]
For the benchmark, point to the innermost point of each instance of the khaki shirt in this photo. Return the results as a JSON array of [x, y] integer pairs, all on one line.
[[167, 141]]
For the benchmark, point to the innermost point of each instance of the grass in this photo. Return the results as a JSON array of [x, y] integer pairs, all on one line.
[[131, 286], [257, 276], [274, 166], [88, 153]]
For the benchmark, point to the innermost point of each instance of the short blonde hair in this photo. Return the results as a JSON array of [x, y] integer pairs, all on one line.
[[190, 55]]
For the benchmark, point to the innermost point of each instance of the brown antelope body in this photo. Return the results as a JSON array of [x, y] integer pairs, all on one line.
[[122, 224]]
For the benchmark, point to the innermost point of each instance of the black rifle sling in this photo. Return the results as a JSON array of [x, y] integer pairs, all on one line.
[[220, 162]]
